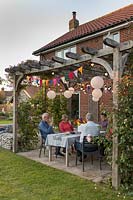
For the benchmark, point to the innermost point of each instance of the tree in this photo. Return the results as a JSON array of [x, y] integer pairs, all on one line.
[[2, 96]]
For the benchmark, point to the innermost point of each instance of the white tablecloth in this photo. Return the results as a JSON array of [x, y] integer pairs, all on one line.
[[61, 139]]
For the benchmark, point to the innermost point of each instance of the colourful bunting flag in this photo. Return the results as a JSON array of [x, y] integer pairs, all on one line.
[[80, 70], [43, 82], [47, 81], [54, 81], [63, 79], [76, 73], [71, 75], [40, 82]]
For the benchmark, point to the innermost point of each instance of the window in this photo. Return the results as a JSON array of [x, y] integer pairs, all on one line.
[[115, 36], [62, 53]]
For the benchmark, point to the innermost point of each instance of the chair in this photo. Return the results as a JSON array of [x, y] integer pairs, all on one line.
[[42, 146], [87, 148]]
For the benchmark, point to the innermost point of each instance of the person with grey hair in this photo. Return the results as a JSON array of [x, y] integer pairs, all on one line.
[[90, 129], [45, 126]]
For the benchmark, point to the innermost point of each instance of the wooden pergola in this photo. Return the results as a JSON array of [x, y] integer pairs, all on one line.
[[118, 52]]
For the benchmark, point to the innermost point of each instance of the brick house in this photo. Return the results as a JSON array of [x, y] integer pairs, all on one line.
[[27, 93], [117, 25]]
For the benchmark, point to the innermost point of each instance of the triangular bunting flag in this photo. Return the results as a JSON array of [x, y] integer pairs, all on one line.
[[47, 81], [71, 75], [54, 81], [76, 73], [80, 70], [63, 79]]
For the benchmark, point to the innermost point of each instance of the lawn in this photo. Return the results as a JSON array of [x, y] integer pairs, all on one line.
[[24, 179], [3, 121]]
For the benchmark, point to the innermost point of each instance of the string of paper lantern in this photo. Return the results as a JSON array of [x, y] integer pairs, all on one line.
[[97, 82]]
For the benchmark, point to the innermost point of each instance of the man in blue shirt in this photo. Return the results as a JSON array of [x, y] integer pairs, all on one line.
[[44, 126]]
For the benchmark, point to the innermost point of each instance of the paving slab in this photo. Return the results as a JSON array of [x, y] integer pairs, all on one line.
[[92, 172]]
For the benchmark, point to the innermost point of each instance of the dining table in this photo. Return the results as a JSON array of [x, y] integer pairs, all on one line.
[[64, 140]]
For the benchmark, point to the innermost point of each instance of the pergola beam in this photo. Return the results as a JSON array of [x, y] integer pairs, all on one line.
[[89, 50], [59, 60], [48, 63], [74, 56], [111, 43], [86, 57]]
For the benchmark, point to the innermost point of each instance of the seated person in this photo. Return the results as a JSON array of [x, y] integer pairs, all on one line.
[[44, 126], [65, 126], [104, 126], [104, 121], [89, 129]]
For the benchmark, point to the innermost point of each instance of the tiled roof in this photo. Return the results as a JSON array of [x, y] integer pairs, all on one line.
[[32, 90], [112, 19]]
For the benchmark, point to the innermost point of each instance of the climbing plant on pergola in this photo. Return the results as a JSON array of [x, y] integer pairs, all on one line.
[[117, 53]]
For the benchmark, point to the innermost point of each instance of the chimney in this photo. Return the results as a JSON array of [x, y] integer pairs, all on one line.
[[73, 23]]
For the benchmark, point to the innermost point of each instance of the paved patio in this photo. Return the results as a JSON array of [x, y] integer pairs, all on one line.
[[92, 172]]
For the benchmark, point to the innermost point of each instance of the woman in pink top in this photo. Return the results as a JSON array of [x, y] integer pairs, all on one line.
[[65, 125]]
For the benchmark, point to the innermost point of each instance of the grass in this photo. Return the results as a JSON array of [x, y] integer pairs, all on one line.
[[2, 121], [24, 179]]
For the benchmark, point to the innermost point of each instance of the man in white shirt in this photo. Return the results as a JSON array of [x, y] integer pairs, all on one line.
[[90, 129]]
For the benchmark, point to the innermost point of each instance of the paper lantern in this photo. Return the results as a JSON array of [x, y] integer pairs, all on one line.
[[97, 82], [67, 94], [95, 99], [51, 94], [71, 89], [97, 93]]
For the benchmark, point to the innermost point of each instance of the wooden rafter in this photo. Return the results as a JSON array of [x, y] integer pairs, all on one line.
[[59, 60], [74, 56], [89, 50], [111, 43]]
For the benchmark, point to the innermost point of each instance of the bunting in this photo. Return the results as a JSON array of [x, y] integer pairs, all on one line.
[[65, 79], [80, 70]]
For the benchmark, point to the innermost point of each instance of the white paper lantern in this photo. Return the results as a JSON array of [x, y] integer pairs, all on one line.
[[97, 82], [97, 93], [95, 99], [71, 89], [67, 94], [51, 94]]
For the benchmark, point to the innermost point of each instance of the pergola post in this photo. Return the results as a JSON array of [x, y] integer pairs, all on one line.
[[17, 80], [117, 59], [15, 103]]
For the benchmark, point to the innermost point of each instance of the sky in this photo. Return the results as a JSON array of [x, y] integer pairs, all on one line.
[[27, 25]]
